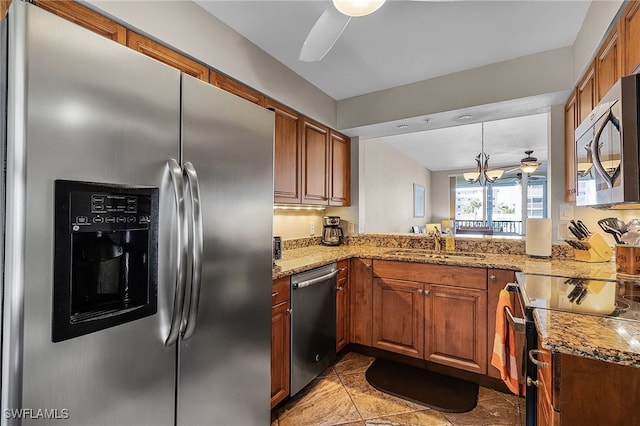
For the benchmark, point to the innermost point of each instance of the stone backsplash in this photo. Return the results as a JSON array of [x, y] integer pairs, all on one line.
[[515, 246]]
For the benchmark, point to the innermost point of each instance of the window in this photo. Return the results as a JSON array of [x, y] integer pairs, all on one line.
[[499, 206]]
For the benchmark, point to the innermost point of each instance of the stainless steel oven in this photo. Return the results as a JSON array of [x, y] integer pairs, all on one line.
[[576, 295]]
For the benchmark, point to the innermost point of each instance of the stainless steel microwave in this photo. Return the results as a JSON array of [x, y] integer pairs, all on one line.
[[607, 153]]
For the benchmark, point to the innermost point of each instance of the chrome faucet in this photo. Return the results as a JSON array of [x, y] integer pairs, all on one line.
[[437, 244]]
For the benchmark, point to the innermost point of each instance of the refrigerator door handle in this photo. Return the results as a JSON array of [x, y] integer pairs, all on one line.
[[196, 247], [181, 259]]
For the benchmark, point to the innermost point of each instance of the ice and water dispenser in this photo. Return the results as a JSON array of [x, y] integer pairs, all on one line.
[[105, 267]]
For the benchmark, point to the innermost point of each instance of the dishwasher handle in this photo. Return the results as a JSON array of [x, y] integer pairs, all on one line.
[[316, 280]]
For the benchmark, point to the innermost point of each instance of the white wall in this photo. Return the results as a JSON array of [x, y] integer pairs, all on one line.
[[546, 73], [386, 188], [596, 24], [188, 28]]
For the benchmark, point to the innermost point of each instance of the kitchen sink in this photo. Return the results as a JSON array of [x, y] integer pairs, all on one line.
[[430, 254]]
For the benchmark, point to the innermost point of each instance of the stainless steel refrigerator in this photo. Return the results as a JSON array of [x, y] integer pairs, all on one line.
[[194, 349]]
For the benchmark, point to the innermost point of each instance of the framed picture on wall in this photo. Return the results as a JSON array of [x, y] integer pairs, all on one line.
[[418, 200]]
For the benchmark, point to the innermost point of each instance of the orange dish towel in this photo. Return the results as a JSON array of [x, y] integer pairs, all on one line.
[[504, 345]]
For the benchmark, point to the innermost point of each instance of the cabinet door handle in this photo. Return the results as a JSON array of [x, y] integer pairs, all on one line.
[[493, 278], [531, 382], [344, 269], [289, 311], [420, 291], [339, 288], [426, 292], [536, 362], [367, 265]]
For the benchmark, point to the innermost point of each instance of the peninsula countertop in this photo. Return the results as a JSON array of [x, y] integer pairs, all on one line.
[[607, 339]]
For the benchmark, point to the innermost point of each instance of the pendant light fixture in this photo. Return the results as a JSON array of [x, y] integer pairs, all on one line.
[[482, 173], [529, 164], [357, 7]]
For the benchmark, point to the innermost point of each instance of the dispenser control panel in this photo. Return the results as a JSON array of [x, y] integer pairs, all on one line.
[[105, 267], [108, 212]]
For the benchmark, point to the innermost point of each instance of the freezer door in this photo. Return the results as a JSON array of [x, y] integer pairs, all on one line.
[[224, 372], [82, 107]]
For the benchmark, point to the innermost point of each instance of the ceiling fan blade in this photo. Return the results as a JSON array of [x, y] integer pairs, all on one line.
[[324, 34]]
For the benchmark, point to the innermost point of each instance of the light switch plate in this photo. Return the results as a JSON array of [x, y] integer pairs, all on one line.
[[565, 212]]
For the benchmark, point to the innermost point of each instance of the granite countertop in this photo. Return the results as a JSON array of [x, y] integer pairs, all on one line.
[[602, 338], [302, 259], [607, 339]]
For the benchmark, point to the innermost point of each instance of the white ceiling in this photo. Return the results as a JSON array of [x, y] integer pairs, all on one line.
[[408, 41]]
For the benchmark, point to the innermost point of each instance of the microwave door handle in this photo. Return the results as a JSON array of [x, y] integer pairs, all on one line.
[[181, 256], [196, 249], [610, 180]]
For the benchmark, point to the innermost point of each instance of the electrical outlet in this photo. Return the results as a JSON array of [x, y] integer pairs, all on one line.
[[312, 229], [351, 228]]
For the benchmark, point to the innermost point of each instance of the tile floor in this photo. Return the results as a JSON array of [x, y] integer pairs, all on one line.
[[342, 396]]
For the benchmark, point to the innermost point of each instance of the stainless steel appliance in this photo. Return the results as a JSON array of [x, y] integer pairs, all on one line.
[[607, 153], [193, 347], [331, 232], [591, 297], [313, 324]]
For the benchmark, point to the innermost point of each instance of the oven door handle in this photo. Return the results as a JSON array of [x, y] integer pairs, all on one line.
[[518, 324]]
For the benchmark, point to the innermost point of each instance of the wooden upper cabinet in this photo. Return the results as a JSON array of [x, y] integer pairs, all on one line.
[[340, 173], [315, 162], [238, 89], [608, 63], [586, 94], [164, 54], [4, 5], [85, 17], [287, 178], [630, 22], [570, 124]]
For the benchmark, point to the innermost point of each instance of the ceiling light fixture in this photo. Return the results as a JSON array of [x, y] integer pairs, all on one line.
[[529, 164], [465, 117], [482, 173], [357, 7], [403, 126]]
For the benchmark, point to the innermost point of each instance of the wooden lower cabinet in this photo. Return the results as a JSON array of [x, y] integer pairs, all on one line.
[[398, 316], [361, 301], [575, 390], [456, 327], [441, 323], [280, 340], [342, 305]]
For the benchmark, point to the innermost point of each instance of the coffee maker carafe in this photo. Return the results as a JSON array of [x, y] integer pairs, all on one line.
[[331, 232]]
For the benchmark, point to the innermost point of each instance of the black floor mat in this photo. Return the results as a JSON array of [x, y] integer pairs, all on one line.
[[437, 391]]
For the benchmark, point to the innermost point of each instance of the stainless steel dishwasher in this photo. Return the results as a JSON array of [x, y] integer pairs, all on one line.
[[313, 324]]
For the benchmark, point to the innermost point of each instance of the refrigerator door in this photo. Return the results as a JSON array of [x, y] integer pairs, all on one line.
[[82, 107], [224, 371]]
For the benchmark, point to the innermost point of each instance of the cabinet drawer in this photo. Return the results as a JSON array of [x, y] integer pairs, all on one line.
[[458, 276], [281, 291]]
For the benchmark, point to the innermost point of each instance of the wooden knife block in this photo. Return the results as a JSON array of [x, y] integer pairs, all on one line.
[[599, 250]]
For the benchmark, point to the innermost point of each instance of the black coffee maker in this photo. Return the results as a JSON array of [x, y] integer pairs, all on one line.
[[331, 232]]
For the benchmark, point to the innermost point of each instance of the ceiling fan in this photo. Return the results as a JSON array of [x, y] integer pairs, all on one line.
[[330, 25]]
